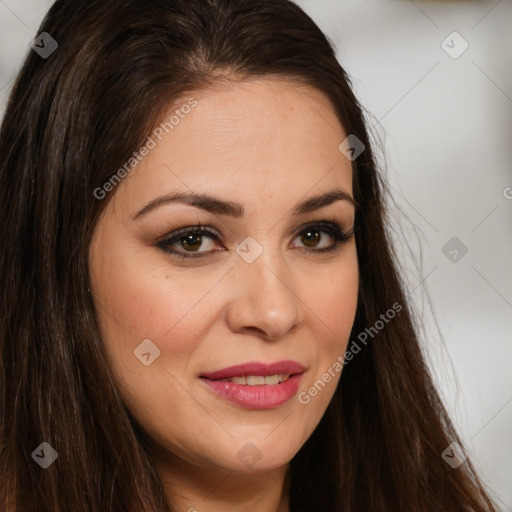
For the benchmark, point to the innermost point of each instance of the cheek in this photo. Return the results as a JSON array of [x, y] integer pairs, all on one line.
[[137, 302], [333, 302], [138, 299], [332, 309]]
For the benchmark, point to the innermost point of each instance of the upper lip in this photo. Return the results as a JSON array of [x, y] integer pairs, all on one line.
[[256, 368]]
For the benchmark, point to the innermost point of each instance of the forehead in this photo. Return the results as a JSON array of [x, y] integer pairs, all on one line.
[[264, 138]]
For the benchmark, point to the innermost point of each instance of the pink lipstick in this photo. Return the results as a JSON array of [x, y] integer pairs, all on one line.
[[256, 385]]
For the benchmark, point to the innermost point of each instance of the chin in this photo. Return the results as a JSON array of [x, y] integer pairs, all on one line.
[[258, 456]]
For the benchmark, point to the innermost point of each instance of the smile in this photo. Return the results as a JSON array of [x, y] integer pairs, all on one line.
[[256, 385], [255, 380]]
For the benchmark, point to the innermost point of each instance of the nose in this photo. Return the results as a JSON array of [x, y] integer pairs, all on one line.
[[264, 301]]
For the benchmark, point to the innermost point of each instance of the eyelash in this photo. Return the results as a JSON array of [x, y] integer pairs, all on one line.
[[332, 228]]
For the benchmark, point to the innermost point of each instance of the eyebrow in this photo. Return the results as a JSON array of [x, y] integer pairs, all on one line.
[[233, 209]]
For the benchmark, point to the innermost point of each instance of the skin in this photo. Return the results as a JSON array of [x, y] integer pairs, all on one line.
[[268, 145]]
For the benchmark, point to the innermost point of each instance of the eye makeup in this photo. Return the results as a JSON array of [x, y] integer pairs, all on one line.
[[191, 237]]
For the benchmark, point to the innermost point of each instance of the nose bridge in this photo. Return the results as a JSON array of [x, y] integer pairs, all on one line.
[[265, 298]]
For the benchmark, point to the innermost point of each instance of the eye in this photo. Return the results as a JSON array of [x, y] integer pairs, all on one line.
[[313, 236], [189, 241], [198, 241]]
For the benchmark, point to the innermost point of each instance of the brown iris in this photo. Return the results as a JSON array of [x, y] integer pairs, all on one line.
[[311, 237], [192, 241]]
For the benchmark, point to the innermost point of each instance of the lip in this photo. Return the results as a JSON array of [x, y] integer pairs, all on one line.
[[258, 396], [256, 368]]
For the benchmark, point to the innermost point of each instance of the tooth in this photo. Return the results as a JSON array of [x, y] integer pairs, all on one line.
[[255, 380], [258, 380], [270, 380]]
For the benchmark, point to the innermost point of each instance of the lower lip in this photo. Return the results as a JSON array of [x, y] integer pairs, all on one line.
[[256, 397]]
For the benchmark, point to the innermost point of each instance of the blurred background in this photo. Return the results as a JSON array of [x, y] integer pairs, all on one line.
[[436, 80]]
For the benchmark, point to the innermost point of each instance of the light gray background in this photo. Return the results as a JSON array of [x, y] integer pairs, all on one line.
[[446, 126]]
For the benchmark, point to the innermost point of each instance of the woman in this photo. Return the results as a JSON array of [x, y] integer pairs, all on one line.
[[201, 306]]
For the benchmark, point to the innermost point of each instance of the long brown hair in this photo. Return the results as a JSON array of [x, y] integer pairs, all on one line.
[[72, 120]]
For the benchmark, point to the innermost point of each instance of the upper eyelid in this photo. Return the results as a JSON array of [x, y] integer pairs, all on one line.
[[213, 231], [214, 234]]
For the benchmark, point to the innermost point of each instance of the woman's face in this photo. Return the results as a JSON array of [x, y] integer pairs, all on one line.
[[268, 282]]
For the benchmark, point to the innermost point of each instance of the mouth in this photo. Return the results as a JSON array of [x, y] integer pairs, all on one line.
[[256, 385], [257, 380], [281, 370]]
